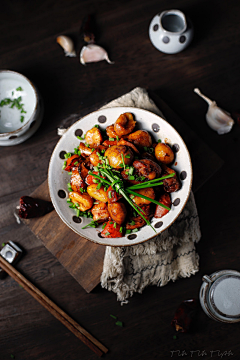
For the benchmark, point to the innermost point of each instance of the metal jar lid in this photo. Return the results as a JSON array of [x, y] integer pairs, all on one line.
[[220, 296]]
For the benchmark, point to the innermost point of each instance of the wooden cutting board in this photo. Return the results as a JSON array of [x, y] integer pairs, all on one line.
[[82, 258]]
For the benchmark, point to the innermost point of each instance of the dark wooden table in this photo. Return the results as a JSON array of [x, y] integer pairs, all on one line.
[[28, 32]]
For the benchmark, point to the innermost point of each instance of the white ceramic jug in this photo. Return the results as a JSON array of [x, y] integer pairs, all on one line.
[[170, 32]]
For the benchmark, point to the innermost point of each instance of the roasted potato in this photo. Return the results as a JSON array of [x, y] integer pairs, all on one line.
[[172, 184], [100, 212], [94, 137], [147, 168], [94, 157], [110, 131], [140, 138], [112, 230], [117, 212], [149, 192], [98, 194], [114, 155], [164, 153], [125, 124], [85, 151], [83, 201], [160, 211]]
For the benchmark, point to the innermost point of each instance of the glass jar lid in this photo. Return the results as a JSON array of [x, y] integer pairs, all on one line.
[[224, 296]]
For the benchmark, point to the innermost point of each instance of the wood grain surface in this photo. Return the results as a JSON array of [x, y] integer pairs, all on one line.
[[28, 32]]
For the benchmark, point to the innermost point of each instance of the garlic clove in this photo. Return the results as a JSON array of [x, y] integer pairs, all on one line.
[[93, 53], [67, 44], [218, 119]]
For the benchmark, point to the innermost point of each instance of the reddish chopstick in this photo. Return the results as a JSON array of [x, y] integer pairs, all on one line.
[[59, 314]]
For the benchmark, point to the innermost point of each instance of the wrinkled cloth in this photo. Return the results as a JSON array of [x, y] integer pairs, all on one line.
[[168, 256]]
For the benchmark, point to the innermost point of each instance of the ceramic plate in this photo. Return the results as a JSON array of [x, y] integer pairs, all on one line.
[[159, 129]]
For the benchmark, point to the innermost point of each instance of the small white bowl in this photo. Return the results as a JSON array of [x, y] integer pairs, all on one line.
[[12, 130]]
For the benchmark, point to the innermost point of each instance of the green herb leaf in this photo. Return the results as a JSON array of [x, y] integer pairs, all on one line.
[[96, 126], [119, 323], [127, 156], [135, 230], [111, 139], [128, 231], [131, 177], [117, 138], [93, 223], [99, 186], [107, 233], [159, 141], [131, 170], [80, 138], [109, 194], [121, 229], [115, 225], [145, 148], [19, 88], [3, 244], [114, 317]]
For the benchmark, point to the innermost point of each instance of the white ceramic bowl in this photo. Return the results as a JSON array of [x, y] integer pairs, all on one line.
[[12, 130], [159, 129]]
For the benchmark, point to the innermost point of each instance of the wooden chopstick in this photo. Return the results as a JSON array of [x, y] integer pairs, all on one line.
[[66, 320]]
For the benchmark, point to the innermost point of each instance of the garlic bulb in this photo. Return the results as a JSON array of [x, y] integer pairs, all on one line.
[[67, 44], [218, 119], [93, 53]]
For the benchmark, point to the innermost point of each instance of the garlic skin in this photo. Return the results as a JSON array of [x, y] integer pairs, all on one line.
[[218, 119], [67, 44], [93, 53]]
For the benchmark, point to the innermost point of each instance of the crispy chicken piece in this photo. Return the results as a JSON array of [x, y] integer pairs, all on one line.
[[172, 184], [147, 168], [100, 212]]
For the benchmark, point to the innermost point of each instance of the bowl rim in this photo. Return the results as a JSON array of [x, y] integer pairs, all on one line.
[[149, 238], [25, 126]]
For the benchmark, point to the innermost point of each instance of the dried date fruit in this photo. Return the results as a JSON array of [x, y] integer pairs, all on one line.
[[30, 207], [185, 315]]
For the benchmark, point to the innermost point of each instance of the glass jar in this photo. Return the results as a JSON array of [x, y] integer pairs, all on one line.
[[220, 296]]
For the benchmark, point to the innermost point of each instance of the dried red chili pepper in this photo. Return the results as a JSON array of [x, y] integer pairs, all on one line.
[[30, 208], [184, 315]]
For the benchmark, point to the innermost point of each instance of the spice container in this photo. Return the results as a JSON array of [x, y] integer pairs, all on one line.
[[219, 296], [12, 253]]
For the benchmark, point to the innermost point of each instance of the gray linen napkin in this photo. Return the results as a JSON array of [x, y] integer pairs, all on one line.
[[172, 254]]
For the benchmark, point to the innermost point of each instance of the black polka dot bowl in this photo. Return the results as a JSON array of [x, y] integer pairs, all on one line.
[[170, 31], [159, 129]]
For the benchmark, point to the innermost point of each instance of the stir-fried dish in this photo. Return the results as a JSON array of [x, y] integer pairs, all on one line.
[[120, 178]]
